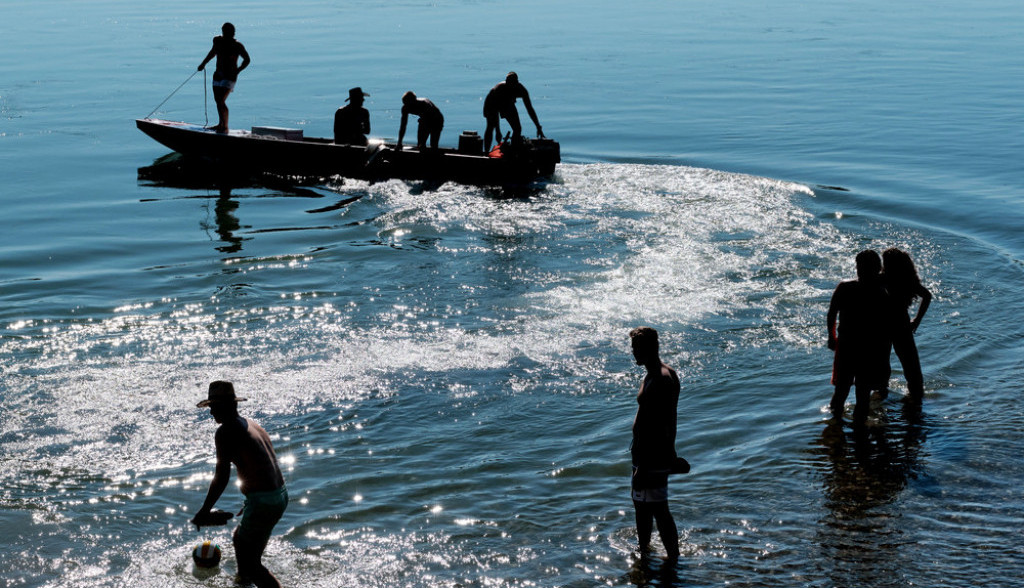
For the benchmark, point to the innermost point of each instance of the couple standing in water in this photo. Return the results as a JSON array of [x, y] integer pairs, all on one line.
[[867, 319]]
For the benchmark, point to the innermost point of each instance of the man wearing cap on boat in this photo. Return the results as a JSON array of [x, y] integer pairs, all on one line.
[[242, 442], [352, 121], [500, 103]]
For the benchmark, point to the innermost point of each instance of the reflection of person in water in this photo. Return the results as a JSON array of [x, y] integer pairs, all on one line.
[[227, 222], [352, 121], [500, 103], [430, 120], [227, 50], [653, 447], [861, 340], [904, 286]]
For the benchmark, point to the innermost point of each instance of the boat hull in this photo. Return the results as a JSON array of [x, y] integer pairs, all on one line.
[[535, 160]]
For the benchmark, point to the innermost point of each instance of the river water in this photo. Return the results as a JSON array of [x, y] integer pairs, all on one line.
[[445, 371]]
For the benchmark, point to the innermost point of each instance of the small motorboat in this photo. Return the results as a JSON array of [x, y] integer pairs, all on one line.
[[287, 151]]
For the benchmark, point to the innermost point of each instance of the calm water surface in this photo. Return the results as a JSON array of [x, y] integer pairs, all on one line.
[[445, 370]]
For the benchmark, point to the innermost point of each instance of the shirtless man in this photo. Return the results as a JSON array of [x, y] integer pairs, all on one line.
[[858, 332], [242, 442], [501, 103], [653, 447], [430, 120], [227, 50]]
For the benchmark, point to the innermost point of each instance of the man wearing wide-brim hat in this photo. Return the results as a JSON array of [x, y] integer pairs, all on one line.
[[352, 121], [242, 442]]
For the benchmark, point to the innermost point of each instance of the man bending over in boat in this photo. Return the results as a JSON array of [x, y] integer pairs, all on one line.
[[501, 104], [352, 121], [430, 122], [227, 50], [243, 442]]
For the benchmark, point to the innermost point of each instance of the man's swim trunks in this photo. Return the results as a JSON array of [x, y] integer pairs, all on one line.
[[261, 512]]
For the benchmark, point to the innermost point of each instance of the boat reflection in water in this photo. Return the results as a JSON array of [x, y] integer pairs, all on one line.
[[223, 184]]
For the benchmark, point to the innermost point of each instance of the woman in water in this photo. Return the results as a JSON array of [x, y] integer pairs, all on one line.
[[904, 286]]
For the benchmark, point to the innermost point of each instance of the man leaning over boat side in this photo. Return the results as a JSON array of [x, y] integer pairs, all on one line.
[[431, 121], [227, 50], [352, 121], [500, 103]]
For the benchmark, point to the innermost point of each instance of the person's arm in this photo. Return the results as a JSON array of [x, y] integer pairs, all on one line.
[[365, 125], [532, 113], [221, 476], [830, 320], [401, 127], [926, 300], [209, 56], [245, 57]]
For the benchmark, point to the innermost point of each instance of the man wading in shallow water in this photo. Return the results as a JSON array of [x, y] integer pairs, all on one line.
[[227, 50], [242, 442], [653, 447]]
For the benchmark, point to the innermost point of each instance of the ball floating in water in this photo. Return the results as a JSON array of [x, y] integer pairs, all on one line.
[[206, 554]]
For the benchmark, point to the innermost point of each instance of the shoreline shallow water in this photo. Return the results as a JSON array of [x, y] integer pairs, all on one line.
[[446, 374]]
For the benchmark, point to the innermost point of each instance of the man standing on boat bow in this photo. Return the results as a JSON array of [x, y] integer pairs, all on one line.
[[227, 50]]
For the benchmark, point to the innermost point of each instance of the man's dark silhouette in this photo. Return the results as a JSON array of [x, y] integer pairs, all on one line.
[[500, 103], [227, 51], [430, 120], [352, 121], [862, 338], [653, 447], [242, 442]]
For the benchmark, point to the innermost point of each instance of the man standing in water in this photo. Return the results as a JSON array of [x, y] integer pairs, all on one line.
[[861, 340], [242, 442], [500, 103], [227, 50], [654, 438]]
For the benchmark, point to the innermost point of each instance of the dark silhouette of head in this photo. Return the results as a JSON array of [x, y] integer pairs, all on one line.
[[869, 265], [356, 95], [900, 275], [512, 78], [644, 341], [228, 30], [408, 98]]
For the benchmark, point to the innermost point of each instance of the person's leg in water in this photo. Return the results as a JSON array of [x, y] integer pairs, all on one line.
[[644, 524], [666, 529], [249, 553], [860, 411], [647, 513], [906, 350]]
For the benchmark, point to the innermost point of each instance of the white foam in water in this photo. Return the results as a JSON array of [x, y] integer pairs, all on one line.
[[451, 357]]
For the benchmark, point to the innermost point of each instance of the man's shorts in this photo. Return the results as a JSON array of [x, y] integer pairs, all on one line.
[[651, 488], [650, 494], [261, 512], [220, 81]]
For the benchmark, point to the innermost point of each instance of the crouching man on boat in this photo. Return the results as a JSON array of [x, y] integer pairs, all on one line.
[[243, 442], [500, 103], [430, 120], [352, 121], [227, 50]]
